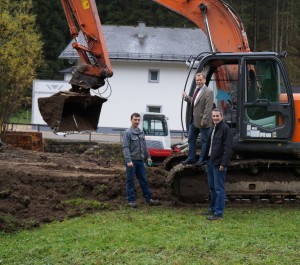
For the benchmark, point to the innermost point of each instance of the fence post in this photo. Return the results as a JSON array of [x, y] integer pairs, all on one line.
[[120, 136]]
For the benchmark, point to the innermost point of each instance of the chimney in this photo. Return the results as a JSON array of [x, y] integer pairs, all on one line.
[[141, 29]]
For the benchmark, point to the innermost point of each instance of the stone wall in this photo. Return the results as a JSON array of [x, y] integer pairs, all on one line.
[[67, 146], [111, 151]]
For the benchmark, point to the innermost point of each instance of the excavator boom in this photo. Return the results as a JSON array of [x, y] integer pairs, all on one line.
[[226, 31]]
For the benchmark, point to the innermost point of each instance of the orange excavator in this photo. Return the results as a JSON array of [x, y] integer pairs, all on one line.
[[252, 88]]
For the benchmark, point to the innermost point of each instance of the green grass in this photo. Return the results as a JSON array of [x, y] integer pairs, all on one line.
[[23, 117], [161, 235], [93, 204]]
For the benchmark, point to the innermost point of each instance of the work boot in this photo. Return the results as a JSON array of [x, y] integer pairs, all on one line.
[[132, 204], [153, 202], [187, 162], [199, 164], [214, 217], [209, 212]]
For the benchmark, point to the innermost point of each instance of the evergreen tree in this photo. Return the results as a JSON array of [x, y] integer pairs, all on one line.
[[55, 34]]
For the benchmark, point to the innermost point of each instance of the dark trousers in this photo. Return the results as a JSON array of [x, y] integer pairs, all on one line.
[[138, 170], [216, 183], [192, 140]]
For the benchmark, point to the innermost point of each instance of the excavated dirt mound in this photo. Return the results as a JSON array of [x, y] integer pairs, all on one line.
[[38, 187]]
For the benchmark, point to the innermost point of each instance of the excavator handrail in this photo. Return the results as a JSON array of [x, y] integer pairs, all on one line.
[[193, 60]]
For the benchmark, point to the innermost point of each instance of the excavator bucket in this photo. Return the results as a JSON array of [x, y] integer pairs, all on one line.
[[71, 112]]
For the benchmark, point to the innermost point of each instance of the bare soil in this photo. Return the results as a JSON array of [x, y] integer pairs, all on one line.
[[39, 187]]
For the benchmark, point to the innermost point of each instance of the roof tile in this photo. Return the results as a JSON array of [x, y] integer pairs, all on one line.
[[175, 44]]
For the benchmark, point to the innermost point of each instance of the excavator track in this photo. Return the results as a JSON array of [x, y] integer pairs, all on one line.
[[274, 180]]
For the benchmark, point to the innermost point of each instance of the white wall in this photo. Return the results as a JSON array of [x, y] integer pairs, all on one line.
[[44, 88], [131, 92]]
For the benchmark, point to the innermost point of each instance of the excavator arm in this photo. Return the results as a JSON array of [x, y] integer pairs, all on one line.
[[94, 57], [217, 19], [76, 110]]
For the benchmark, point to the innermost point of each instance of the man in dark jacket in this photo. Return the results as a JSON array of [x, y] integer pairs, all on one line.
[[217, 155]]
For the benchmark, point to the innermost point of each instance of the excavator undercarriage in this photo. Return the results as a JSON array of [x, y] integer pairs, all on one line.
[[254, 179]]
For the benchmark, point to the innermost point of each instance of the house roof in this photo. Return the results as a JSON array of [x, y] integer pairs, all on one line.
[[147, 43]]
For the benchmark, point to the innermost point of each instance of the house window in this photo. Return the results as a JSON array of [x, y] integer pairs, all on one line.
[[153, 76], [156, 109]]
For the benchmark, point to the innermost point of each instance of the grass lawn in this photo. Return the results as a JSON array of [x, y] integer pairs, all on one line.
[[161, 235], [23, 116]]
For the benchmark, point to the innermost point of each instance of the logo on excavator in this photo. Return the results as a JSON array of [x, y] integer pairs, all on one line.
[[85, 4]]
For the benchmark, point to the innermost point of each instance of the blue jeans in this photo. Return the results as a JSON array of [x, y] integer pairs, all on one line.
[[139, 171], [216, 184], [192, 140]]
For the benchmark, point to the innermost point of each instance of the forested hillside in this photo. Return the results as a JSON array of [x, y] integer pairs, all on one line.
[[271, 25]]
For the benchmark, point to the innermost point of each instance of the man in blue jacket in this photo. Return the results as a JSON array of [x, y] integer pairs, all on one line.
[[217, 155], [135, 152]]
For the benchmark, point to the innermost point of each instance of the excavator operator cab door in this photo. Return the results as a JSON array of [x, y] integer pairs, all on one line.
[[254, 93], [266, 104]]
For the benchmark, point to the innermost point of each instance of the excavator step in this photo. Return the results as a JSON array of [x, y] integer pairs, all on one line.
[[71, 112]]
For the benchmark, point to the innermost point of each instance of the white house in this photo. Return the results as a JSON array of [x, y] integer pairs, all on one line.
[[150, 72]]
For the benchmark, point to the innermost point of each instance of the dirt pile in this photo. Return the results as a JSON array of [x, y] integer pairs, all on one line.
[[38, 187]]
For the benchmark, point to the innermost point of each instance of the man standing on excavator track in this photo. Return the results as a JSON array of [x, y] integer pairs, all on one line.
[[201, 121]]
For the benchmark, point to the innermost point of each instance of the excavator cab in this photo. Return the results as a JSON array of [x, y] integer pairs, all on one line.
[[256, 99]]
